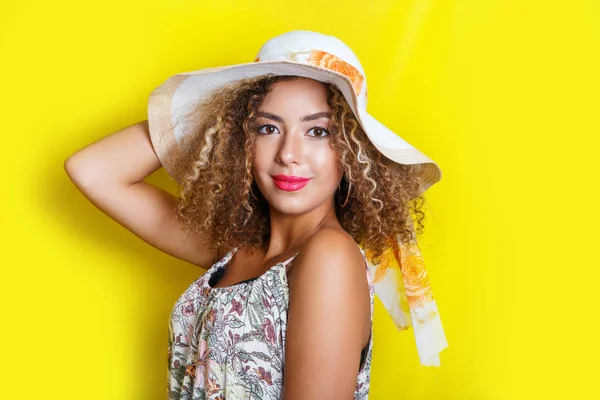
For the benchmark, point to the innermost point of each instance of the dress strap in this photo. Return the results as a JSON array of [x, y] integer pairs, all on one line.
[[365, 257], [286, 262]]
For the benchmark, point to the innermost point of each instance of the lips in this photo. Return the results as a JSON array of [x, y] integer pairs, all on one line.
[[289, 178], [289, 183]]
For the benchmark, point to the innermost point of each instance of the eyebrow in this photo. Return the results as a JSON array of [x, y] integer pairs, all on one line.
[[310, 117]]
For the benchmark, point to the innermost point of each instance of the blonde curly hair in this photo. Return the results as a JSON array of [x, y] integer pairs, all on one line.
[[220, 203]]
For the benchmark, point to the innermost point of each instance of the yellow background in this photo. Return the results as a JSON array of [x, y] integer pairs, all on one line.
[[504, 95]]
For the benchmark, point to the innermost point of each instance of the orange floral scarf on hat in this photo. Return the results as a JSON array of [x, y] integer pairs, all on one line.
[[402, 284]]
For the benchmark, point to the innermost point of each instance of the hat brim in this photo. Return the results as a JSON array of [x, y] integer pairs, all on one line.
[[170, 102]]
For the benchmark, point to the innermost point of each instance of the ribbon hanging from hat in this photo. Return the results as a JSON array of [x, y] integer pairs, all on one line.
[[402, 284]]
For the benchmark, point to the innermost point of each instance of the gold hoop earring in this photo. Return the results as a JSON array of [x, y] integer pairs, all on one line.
[[347, 196]]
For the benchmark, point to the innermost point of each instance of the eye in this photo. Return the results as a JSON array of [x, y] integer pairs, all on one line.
[[322, 132], [269, 131]]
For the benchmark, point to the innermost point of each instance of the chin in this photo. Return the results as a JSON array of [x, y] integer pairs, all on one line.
[[290, 206]]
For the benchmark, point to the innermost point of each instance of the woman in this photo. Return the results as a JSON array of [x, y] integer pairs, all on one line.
[[281, 189]]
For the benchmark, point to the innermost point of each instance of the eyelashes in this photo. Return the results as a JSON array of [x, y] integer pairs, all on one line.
[[320, 128]]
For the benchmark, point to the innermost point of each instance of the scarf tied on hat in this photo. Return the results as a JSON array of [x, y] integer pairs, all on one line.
[[402, 284]]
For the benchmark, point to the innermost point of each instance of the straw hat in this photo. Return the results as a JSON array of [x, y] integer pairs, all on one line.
[[400, 280], [303, 53]]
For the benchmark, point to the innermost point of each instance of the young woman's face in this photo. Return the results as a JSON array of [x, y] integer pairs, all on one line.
[[293, 142]]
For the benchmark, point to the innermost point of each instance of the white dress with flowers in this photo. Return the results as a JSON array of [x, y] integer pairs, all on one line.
[[229, 342]]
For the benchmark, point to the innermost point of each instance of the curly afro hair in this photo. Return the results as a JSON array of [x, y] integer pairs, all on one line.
[[215, 202]]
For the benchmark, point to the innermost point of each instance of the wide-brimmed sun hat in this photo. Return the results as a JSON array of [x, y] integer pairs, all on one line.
[[303, 53], [400, 280]]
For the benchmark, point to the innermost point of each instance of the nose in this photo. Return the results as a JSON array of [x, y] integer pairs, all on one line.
[[291, 147]]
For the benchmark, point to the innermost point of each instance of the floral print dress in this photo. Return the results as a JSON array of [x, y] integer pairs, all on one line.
[[229, 342]]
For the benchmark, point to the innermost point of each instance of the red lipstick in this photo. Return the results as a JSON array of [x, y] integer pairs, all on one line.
[[289, 183]]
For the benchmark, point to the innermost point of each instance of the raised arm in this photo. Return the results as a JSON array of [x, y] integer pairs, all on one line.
[[110, 173], [328, 319]]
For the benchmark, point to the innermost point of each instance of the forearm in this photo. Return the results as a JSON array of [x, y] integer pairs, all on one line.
[[118, 159]]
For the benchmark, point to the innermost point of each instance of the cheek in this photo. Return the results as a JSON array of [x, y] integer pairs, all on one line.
[[324, 160], [260, 157]]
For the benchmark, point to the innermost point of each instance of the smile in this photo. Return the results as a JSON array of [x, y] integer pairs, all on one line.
[[289, 183]]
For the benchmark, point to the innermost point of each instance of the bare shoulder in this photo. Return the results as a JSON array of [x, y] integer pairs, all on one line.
[[333, 256], [331, 249]]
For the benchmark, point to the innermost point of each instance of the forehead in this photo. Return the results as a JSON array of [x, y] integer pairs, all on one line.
[[299, 93]]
